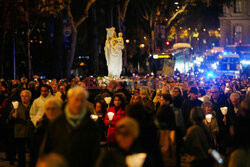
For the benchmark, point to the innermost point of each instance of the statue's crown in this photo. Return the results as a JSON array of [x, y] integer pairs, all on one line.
[[110, 29]]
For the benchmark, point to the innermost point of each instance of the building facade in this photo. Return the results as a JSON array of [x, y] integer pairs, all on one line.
[[235, 24]]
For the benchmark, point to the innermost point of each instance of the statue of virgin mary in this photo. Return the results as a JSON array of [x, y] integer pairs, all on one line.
[[113, 52]]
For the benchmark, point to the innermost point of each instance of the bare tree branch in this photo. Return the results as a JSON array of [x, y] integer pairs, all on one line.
[[124, 9], [177, 13], [85, 15], [71, 18], [146, 16]]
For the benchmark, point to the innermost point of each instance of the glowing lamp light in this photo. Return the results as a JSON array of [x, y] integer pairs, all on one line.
[[245, 62], [82, 64], [155, 56], [127, 41], [142, 45], [210, 75], [110, 115], [214, 66], [167, 43], [209, 118]]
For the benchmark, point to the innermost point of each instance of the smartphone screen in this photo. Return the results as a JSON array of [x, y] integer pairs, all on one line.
[[216, 156]]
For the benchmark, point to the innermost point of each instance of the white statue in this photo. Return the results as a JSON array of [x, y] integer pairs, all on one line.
[[113, 52]]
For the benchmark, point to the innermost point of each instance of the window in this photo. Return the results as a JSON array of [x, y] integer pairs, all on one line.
[[238, 6], [238, 34]]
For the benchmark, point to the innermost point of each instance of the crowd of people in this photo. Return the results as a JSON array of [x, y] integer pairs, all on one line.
[[131, 121]]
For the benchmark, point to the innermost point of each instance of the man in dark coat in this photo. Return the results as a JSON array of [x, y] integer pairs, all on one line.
[[74, 135], [192, 102], [219, 100]]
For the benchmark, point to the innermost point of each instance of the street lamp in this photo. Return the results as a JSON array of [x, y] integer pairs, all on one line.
[[127, 41], [142, 45]]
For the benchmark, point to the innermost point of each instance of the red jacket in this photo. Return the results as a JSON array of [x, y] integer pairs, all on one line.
[[117, 116]]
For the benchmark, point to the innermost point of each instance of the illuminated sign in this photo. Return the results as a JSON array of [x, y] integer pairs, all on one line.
[[161, 56]]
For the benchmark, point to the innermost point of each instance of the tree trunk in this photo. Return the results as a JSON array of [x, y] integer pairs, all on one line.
[[2, 54], [28, 53], [152, 47], [109, 14], [93, 41], [72, 52], [59, 45]]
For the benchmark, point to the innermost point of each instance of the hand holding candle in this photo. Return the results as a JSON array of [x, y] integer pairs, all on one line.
[[224, 112]]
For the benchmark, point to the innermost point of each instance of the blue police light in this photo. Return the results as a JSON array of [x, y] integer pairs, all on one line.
[[210, 75]]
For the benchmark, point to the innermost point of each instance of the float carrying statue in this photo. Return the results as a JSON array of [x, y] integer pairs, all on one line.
[[113, 52]]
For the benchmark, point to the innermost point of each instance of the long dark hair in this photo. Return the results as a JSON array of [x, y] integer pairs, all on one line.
[[122, 98]]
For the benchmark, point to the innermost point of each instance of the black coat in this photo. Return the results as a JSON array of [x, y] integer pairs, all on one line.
[[79, 146], [221, 102], [187, 107]]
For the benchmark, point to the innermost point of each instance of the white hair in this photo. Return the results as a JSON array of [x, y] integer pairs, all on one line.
[[27, 92], [77, 90], [54, 100]]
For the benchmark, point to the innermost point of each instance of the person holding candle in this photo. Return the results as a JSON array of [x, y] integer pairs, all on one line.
[[198, 140], [22, 125], [219, 101], [100, 112], [210, 119], [114, 114]]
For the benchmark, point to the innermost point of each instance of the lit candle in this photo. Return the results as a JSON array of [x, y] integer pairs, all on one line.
[[15, 104], [107, 100], [223, 110], [209, 118], [110, 115], [94, 117]]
